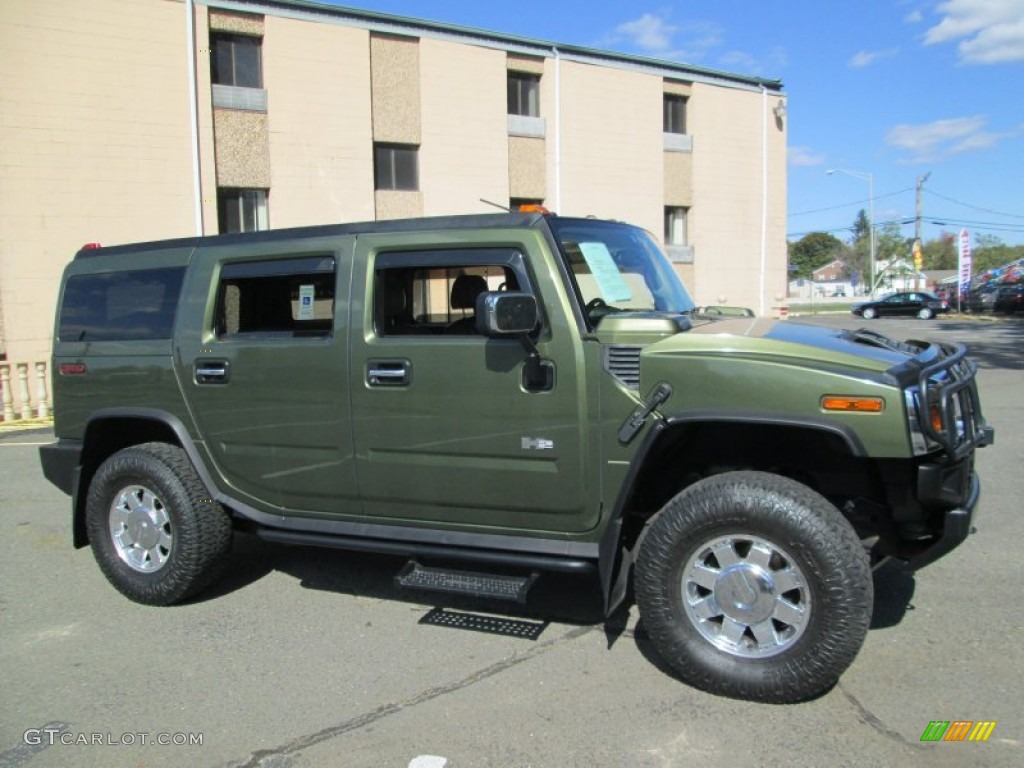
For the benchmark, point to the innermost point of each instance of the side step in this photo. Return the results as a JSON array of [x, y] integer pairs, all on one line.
[[498, 586]]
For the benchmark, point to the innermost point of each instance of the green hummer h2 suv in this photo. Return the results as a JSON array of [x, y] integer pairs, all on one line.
[[501, 396]]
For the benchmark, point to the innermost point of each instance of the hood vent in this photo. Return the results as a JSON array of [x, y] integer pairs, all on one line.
[[622, 361]]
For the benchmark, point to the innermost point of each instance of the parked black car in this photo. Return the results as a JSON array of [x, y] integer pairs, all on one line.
[[911, 303], [1010, 299], [982, 299]]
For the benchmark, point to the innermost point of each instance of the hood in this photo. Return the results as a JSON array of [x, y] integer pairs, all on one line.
[[785, 338]]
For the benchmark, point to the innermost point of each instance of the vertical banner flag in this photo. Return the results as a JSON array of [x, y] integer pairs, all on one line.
[[965, 262]]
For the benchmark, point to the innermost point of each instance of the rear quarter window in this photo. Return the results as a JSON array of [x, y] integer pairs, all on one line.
[[132, 305]]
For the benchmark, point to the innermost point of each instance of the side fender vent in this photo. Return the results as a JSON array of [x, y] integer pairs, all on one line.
[[622, 361]]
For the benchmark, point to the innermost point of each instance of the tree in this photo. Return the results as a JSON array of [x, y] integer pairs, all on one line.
[[990, 252], [941, 253], [814, 250]]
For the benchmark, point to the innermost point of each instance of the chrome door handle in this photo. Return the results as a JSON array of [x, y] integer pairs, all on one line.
[[211, 371], [388, 373]]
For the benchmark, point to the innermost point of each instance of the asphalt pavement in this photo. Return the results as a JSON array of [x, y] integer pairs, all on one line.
[[306, 658]]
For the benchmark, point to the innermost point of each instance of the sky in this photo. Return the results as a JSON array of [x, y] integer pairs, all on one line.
[[891, 89]]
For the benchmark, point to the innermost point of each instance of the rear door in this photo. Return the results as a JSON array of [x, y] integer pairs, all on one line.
[[445, 429], [262, 360]]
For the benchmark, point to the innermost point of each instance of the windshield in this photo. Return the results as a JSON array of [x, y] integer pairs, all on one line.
[[619, 267]]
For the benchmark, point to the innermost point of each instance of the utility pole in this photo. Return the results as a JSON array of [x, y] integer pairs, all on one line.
[[917, 231]]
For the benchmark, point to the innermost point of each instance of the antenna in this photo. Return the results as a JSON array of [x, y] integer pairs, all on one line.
[[505, 208]]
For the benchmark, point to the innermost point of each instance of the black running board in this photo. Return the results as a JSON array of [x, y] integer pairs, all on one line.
[[474, 584], [489, 557]]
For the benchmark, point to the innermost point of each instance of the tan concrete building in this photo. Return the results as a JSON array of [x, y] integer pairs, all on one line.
[[128, 120]]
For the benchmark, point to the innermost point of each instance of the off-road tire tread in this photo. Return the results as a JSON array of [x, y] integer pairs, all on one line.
[[792, 516], [202, 529]]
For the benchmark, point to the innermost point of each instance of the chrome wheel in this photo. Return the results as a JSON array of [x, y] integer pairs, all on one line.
[[869, 313], [140, 528], [746, 596]]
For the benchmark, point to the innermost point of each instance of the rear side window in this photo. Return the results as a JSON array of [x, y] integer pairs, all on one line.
[[279, 297], [134, 305]]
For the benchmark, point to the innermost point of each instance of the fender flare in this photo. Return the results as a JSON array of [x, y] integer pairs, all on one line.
[[615, 561]]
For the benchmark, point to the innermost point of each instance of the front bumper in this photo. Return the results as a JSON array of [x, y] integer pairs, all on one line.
[[957, 525]]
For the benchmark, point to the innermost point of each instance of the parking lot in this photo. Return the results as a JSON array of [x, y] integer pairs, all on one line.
[[305, 657]]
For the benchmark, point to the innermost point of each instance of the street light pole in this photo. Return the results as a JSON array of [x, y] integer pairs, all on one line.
[[870, 179]]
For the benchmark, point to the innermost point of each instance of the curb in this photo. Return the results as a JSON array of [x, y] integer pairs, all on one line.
[[25, 425]]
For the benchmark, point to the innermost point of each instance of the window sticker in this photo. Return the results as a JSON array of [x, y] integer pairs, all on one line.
[[306, 295], [609, 280]]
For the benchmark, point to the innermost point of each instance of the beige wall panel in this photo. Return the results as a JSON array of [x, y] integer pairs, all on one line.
[[395, 65], [678, 179], [612, 164], [464, 153], [527, 167], [677, 88], [726, 219], [238, 23], [243, 148], [321, 146], [532, 64], [398, 204], [96, 143]]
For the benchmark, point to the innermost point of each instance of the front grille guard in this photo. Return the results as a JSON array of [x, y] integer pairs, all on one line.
[[951, 384]]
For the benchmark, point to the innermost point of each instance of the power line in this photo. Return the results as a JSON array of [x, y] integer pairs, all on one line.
[[847, 205], [975, 207]]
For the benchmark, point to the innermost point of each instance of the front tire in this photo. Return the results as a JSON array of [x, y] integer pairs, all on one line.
[[870, 313], [752, 585], [155, 532], [925, 313]]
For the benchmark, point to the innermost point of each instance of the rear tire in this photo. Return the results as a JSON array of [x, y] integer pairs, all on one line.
[[155, 532], [752, 585]]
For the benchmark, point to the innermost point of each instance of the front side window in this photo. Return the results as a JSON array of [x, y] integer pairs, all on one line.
[[235, 60], [523, 94], [435, 293], [242, 210], [619, 267], [120, 306], [396, 166], [674, 114], [280, 297]]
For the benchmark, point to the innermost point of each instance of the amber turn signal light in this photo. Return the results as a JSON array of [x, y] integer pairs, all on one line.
[[852, 404]]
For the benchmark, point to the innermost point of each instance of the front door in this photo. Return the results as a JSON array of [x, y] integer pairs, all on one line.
[[446, 430]]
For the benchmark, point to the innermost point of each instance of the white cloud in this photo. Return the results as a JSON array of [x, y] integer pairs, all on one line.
[[863, 59], [914, 17], [942, 138], [653, 34], [804, 156], [649, 32], [988, 31]]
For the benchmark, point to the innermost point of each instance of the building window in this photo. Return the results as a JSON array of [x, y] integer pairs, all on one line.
[[236, 60], [675, 226], [241, 210], [523, 94], [396, 166], [674, 114]]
